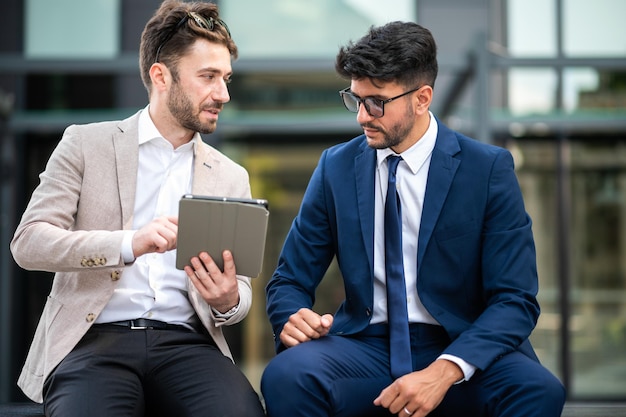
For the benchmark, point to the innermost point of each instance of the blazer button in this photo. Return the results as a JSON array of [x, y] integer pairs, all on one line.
[[115, 275], [368, 312], [90, 317]]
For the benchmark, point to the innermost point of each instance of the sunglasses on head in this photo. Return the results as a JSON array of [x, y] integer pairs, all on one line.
[[200, 21]]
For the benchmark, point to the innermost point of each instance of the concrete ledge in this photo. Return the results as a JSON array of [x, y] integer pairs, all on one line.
[[21, 410], [576, 409], [572, 409]]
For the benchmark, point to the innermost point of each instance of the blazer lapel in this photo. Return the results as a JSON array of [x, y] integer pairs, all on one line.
[[205, 170], [126, 148], [365, 169], [443, 167]]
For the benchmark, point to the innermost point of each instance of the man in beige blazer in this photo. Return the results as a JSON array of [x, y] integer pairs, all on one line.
[[123, 332]]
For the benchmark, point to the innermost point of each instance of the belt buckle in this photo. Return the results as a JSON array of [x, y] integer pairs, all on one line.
[[134, 327]]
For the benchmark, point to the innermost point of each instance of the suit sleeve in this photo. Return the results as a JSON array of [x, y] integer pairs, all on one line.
[[305, 257], [507, 287], [46, 238]]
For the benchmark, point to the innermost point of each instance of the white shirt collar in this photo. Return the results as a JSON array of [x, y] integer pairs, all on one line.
[[417, 154], [148, 131]]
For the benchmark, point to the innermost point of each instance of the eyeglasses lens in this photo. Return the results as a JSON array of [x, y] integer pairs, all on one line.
[[373, 107], [351, 102]]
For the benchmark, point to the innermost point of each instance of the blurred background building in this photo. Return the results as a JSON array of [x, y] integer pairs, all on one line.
[[543, 78]]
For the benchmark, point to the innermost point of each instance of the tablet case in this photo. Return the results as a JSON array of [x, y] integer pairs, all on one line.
[[213, 224]]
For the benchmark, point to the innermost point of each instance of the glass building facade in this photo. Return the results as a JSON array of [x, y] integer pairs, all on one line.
[[544, 78]]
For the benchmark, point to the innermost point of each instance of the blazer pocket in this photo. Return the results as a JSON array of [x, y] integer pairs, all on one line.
[[455, 260], [457, 230]]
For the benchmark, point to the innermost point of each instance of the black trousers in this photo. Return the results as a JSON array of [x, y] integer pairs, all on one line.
[[116, 371]]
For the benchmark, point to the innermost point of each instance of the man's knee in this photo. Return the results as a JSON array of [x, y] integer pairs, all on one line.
[[549, 391], [295, 371], [282, 371], [535, 390]]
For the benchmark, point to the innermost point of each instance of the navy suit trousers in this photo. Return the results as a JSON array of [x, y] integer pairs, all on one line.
[[342, 375]]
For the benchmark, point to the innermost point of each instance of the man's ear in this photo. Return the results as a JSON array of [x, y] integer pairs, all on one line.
[[159, 75], [424, 98]]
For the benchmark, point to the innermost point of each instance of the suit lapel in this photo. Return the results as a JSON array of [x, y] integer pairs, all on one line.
[[365, 170], [443, 167], [126, 148], [206, 169]]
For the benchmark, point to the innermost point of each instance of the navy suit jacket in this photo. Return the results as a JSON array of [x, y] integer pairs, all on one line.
[[477, 271]]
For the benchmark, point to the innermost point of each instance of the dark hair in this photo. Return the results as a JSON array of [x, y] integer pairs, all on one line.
[[163, 33], [403, 52]]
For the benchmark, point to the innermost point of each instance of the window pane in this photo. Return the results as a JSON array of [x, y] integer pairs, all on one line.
[[581, 89], [532, 28], [535, 167], [532, 91], [597, 265], [598, 298], [72, 28], [594, 29], [304, 28]]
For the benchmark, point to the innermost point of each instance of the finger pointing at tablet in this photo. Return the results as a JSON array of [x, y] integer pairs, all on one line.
[[157, 236]]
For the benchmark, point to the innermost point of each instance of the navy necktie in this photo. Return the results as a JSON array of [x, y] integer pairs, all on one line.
[[398, 320]]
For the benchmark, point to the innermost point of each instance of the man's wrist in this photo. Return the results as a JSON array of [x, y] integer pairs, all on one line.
[[451, 371], [466, 368], [226, 314]]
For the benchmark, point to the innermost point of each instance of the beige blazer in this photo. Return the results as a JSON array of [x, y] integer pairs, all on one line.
[[74, 224]]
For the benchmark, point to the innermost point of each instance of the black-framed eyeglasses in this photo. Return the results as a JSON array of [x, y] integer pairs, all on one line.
[[375, 107], [200, 20]]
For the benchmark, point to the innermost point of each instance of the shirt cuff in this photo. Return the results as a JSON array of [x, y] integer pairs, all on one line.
[[467, 369], [127, 247], [225, 316]]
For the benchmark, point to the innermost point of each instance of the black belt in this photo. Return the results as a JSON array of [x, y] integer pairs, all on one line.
[[147, 324]]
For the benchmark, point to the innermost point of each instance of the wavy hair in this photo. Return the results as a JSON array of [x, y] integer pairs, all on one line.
[[404, 52]]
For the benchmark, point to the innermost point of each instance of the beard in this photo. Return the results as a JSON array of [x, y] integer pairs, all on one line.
[[395, 134], [181, 107]]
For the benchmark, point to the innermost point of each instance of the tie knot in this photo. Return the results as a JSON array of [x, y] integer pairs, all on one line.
[[392, 163]]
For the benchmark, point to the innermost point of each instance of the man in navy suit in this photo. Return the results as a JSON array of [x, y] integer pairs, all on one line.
[[467, 258]]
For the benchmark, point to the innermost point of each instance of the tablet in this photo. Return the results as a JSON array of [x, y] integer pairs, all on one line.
[[213, 224]]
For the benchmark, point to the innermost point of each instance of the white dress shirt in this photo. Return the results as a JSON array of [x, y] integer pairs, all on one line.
[[411, 177], [151, 286]]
